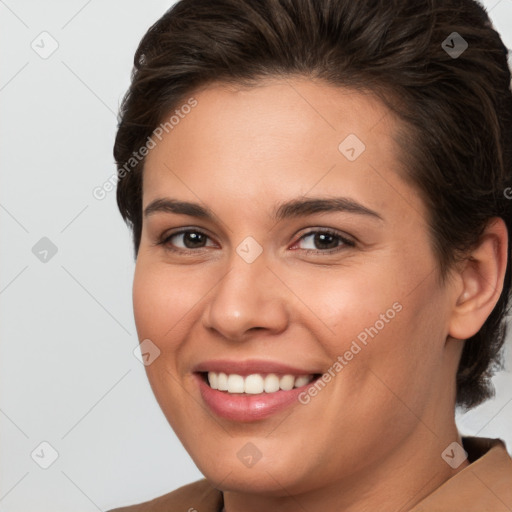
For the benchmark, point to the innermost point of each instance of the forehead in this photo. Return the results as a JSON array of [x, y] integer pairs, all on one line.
[[280, 138], [276, 111]]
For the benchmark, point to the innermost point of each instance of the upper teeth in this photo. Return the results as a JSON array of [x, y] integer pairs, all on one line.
[[255, 383]]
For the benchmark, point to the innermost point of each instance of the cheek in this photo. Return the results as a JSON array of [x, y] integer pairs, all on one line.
[[404, 356], [388, 321], [161, 302], [351, 304], [162, 298], [147, 302]]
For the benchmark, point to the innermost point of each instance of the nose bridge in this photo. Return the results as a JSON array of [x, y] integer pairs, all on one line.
[[248, 296]]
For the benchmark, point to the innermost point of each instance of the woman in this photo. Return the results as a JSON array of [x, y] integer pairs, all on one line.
[[317, 192]]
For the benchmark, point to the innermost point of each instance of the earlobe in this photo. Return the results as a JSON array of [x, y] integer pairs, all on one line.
[[481, 277]]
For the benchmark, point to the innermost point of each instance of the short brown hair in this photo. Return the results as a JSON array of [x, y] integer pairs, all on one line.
[[456, 134]]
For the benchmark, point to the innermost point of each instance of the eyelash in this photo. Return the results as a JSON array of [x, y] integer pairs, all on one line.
[[345, 241]]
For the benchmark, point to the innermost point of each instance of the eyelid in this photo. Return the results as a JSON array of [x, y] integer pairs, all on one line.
[[164, 238], [346, 241]]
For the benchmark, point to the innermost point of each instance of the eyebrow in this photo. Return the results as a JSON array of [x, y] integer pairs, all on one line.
[[290, 209]]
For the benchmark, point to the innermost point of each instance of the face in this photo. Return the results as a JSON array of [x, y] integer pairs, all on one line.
[[304, 261]]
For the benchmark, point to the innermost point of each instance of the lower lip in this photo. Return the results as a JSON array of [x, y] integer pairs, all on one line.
[[246, 407]]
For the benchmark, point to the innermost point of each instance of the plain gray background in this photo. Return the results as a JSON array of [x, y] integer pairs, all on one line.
[[68, 374]]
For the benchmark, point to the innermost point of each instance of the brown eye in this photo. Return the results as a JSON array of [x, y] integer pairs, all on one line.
[[186, 240], [324, 241]]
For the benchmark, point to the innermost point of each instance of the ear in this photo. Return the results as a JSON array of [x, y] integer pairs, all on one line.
[[480, 279]]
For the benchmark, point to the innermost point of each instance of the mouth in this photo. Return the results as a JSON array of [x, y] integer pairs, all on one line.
[[255, 383], [250, 392]]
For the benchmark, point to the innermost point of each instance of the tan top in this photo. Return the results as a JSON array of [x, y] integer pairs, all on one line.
[[485, 485]]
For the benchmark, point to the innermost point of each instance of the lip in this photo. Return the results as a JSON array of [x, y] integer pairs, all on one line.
[[246, 407], [250, 366]]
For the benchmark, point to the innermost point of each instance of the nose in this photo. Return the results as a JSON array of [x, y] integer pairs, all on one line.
[[248, 298]]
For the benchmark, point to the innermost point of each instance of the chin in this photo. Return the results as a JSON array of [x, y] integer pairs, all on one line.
[[263, 481], [269, 477]]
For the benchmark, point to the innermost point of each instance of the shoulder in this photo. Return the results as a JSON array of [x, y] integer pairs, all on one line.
[[485, 484], [199, 496]]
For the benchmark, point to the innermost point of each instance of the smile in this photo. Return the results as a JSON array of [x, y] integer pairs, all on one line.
[[256, 383], [250, 391]]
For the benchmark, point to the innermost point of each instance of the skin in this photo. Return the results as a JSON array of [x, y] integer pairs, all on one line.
[[372, 438]]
